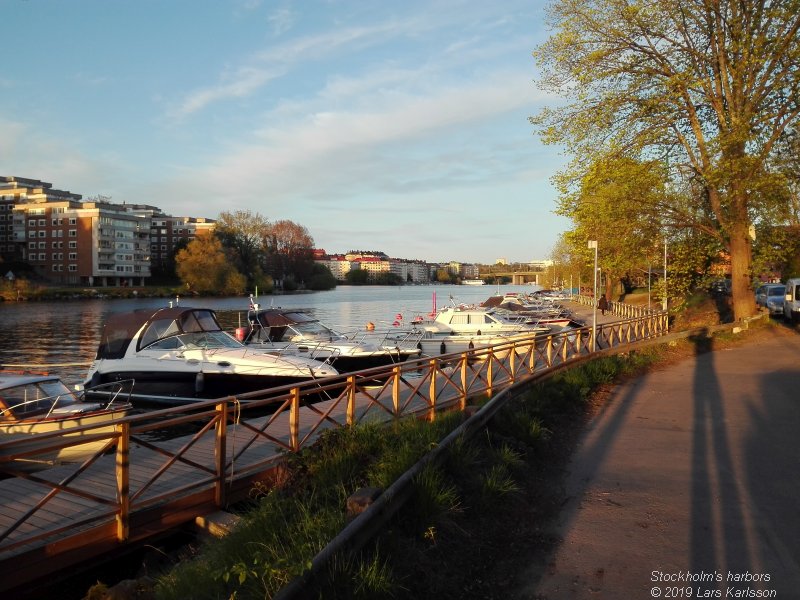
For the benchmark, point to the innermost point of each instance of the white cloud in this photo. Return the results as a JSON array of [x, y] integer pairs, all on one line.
[[281, 21]]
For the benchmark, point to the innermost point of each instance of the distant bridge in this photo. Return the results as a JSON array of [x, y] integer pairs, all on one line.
[[518, 277]]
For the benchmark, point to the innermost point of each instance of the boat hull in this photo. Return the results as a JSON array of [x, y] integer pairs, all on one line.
[[31, 430], [176, 388]]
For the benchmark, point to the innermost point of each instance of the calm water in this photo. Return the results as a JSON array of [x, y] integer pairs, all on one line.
[[62, 337]]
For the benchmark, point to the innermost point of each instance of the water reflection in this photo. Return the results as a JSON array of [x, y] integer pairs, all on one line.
[[62, 337]]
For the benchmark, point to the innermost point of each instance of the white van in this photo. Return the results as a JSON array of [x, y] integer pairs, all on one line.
[[791, 301]]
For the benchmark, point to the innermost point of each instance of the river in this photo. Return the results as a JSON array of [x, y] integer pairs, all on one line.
[[62, 337]]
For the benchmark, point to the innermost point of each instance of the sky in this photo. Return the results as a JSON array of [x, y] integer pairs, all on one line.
[[393, 126]]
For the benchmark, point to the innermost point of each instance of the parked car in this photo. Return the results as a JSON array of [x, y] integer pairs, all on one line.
[[775, 299], [791, 301], [762, 293]]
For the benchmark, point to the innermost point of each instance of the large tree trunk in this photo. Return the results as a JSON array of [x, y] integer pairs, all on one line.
[[741, 251]]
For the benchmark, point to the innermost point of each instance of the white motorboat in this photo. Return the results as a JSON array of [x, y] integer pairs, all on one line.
[[179, 355], [32, 404], [472, 320], [298, 333], [461, 328], [533, 309]]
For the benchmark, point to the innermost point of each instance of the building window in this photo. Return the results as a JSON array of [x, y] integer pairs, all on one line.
[[31, 222], [31, 234], [73, 244], [73, 221], [73, 256], [73, 232], [73, 268], [31, 245], [42, 233], [42, 245]]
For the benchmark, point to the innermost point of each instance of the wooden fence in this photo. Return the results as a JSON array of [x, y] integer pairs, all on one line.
[[163, 468]]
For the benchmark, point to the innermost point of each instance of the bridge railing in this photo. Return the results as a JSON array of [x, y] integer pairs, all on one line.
[[145, 464]]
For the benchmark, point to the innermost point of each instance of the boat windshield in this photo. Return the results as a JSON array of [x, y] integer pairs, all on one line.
[[36, 398], [191, 325], [313, 330], [193, 341]]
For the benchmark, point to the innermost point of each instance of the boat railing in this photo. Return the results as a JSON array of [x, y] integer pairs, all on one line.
[[112, 392]]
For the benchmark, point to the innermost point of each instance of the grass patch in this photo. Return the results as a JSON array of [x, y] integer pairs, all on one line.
[[461, 512]]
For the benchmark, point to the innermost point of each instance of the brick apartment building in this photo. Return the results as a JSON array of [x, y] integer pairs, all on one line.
[[68, 241]]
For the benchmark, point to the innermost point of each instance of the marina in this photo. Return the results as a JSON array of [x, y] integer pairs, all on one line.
[[63, 337], [143, 488], [145, 481]]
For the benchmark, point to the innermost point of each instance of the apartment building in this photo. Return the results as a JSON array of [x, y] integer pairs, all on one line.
[[166, 232], [18, 190], [69, 241], [373, 263]]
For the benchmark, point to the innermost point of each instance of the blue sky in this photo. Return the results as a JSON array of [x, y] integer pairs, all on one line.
[[394, 126]]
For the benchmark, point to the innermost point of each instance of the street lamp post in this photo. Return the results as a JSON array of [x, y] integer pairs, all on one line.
[[593, 244]]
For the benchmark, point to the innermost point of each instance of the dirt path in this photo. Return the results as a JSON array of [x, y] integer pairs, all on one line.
[[684, 483]]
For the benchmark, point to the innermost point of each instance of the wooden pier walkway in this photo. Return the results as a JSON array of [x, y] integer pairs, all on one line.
[[140, 488]]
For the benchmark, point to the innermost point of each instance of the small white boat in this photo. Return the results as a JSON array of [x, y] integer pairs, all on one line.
[[473, 282], [471, 320], [32, 404]]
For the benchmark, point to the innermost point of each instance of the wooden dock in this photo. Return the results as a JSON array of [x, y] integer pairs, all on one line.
[[141, 487]]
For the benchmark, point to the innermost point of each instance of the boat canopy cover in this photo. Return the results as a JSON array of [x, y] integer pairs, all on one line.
[[277, 321], [493, 301], [121, 328]]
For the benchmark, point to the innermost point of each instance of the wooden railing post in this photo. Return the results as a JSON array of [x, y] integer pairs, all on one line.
[[221, 453], [549, 351], [351, 399], [433, 370], [513, 361], [396, 391], [532, 362], [490, 372], [294, 420], [123, 480], [462, 401]]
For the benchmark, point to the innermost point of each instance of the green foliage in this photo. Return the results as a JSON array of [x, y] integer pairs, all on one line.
[[710, 113], [205, 267], [321, 278], [387, 278], [357, 277]]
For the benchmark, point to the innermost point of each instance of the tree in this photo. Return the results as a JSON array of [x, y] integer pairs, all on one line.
[[244, 232], [321, 278], [617, 203], [708, 88], [204, 267], [287, 247], [357, 277]]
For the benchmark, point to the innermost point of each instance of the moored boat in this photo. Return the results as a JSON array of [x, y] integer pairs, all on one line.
[[298, 333], [179, 355], [33, 404]]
